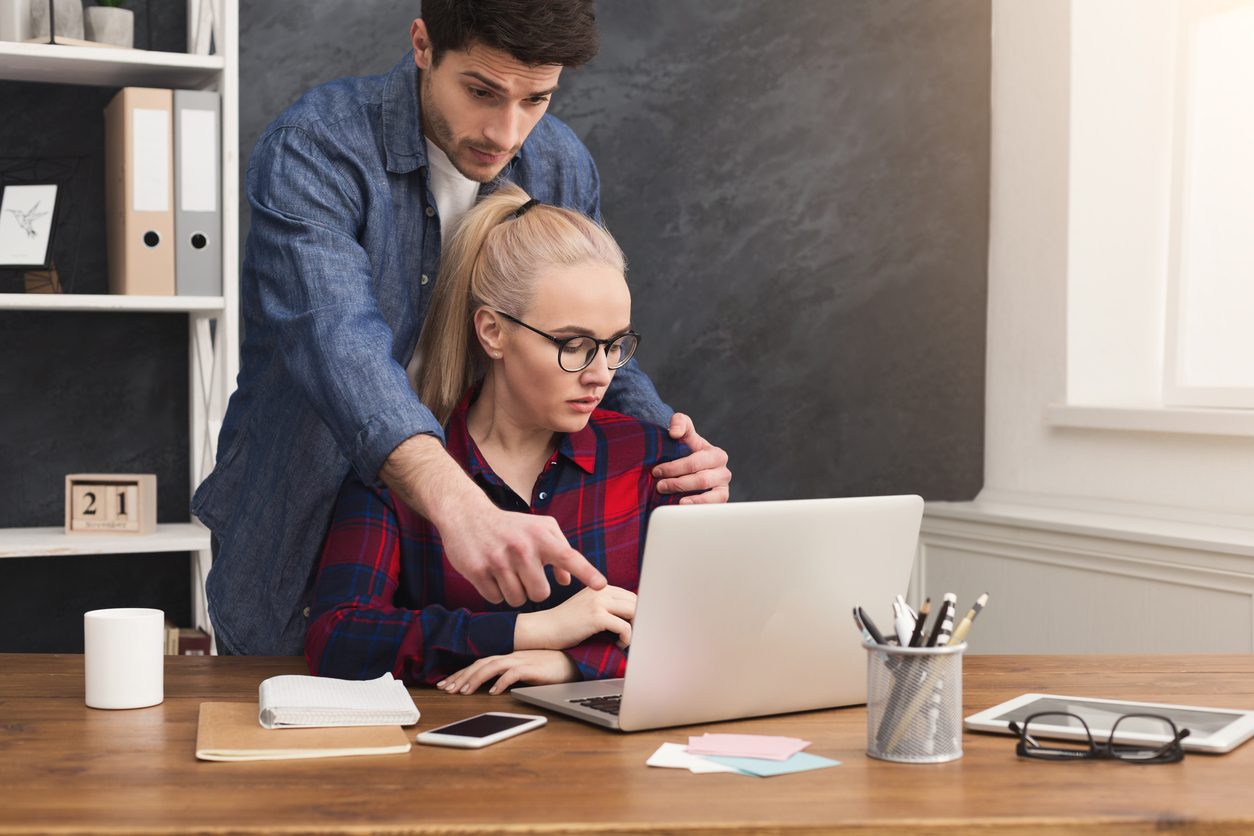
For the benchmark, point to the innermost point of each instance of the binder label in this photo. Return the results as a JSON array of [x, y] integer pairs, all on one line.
[[150, 160], [198, 170]]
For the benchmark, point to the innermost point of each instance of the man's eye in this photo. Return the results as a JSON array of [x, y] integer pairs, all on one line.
[[479, 94], [538, 100]]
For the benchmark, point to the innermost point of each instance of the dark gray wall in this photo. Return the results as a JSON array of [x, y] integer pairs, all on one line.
[[801, 187]]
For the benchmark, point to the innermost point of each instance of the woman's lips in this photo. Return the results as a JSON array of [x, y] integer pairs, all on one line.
[[585, 405]]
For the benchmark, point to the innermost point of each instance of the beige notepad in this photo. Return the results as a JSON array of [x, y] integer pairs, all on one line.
[[229, 731]]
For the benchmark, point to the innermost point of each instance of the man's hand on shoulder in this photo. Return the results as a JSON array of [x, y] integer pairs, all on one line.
[[501, 552], [704, 470]]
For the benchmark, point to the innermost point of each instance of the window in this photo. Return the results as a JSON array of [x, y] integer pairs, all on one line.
[[1160, 272], [1210, 296]]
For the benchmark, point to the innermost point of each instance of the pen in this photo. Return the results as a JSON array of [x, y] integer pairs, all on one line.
[[903, 622], [861, 626], [946, 611], [960, 632], [917, 636], [876, 635], [946, 628]]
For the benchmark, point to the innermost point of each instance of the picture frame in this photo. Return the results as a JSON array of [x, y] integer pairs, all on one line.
[[28, 223]]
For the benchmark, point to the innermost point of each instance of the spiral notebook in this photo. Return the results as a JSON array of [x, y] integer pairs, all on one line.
[[309, 701]]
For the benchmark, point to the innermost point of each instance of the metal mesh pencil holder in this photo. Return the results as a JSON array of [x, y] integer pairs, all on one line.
[[914, 703]]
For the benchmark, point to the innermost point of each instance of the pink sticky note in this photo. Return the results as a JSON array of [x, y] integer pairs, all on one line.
[[766, 747]]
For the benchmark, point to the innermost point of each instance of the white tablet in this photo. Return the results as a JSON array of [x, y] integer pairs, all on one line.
[[1213, 730]]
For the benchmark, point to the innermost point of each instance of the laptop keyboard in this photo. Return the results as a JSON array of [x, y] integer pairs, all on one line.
[[608, 704]]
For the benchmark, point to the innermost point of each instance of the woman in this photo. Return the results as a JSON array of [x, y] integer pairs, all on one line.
[[530, 318]]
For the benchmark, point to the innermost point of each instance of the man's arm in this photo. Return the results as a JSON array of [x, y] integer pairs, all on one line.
[[313, 284], [501, 552], [311, 281]]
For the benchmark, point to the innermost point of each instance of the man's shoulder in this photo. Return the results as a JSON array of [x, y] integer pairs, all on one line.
[[330, 105], [555, 140], [555, 166]]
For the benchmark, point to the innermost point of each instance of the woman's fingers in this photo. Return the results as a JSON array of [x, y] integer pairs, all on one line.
[[457, 681], [614, 624], [494, 668], [508, 678]]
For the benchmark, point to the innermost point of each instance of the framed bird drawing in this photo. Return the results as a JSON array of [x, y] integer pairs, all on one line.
[[28, 214]]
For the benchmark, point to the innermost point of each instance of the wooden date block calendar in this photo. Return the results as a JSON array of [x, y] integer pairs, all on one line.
[[110, 503]]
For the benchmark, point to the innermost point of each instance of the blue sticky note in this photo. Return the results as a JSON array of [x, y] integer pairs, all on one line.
[[800, 762]]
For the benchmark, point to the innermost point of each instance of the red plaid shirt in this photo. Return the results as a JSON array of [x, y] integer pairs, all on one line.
[[387, 599]]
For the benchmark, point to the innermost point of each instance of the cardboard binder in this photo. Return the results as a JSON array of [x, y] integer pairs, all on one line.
[[197, 193], [139, 191]]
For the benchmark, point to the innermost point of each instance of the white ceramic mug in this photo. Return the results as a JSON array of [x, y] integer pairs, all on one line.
[[124, 655]]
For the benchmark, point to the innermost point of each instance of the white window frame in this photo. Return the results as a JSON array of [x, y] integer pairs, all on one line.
[[1175, 392]]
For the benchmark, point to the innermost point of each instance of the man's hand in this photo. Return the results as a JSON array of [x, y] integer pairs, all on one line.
[[583, 615], [537, 667], [704, 470], [501, 552]]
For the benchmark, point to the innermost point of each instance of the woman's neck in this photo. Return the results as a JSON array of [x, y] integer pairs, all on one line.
[[517, 451]]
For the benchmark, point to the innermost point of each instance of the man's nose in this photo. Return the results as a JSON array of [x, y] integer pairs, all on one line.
[[503, 130]]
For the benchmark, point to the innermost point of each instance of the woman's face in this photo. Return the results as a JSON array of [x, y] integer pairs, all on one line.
[[590, 300]]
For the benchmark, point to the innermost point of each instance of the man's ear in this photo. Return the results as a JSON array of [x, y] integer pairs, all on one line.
[[423, 52], [490, 329]]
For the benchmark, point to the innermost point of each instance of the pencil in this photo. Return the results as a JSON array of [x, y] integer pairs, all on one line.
[[918, 624], [960, 632]]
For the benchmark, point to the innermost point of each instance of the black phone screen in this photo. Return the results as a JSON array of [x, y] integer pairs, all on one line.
[[482, 726]]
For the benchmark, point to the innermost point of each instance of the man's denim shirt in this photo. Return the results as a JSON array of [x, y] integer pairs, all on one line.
[[338, 271]]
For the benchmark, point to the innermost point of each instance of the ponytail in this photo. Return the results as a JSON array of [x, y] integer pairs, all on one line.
[[495, 261]]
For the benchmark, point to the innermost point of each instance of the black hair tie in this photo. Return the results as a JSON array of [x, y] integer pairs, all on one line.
[[526, 207]]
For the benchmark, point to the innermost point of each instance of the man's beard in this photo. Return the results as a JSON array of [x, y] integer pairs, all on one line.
[[444, 135]]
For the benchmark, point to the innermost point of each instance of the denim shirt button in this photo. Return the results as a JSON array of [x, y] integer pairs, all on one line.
[[430, 211], [543, 495], [306, 612], [424, 278]]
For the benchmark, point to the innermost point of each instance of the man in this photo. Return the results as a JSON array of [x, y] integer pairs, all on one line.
[[352, 190]]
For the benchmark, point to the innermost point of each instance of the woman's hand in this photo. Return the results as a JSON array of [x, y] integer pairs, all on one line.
[[535, 667], [584, 614]]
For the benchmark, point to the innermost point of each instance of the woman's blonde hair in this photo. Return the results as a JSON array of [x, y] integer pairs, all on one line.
[[495, 260]]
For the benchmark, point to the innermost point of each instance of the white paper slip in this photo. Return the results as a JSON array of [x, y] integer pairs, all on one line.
[[675, 756], [310, 701]]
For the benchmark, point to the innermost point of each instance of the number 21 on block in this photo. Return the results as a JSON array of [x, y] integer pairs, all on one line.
[[104, 503]]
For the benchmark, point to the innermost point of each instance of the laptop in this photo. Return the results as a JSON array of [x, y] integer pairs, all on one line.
[[745, 609]]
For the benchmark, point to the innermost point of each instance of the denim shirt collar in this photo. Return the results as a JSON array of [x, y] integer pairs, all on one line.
[[403, 140]]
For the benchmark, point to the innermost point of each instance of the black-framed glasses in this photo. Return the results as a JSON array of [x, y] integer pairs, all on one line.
[[574, 354], [1126, 741]]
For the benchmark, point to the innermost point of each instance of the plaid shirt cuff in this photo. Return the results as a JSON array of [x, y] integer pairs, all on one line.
[[599, 657]]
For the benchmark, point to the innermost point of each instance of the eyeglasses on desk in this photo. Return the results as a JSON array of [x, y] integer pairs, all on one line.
[[1114, 748]]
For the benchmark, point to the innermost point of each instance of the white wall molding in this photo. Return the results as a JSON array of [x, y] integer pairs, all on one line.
[[1068, 581]]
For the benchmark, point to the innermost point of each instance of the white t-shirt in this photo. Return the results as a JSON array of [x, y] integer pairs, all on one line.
[[454, 197]]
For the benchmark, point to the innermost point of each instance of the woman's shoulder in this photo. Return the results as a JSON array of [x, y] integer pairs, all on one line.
[[358, 501], [631, 440]]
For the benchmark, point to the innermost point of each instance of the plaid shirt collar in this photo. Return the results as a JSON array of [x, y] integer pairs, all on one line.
[[579, 448]]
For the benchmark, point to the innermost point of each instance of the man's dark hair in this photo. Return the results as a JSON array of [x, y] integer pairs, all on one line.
[[534, 32]]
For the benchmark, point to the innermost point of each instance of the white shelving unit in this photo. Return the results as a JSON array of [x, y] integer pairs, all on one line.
[[213, 322]]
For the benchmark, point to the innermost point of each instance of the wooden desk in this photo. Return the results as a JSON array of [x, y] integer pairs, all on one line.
[[68, 769]]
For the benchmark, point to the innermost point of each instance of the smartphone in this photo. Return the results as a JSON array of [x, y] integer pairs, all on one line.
[[482, 730]]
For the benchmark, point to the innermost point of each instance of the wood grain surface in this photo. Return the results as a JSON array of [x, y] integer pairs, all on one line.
[[69, 769]]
